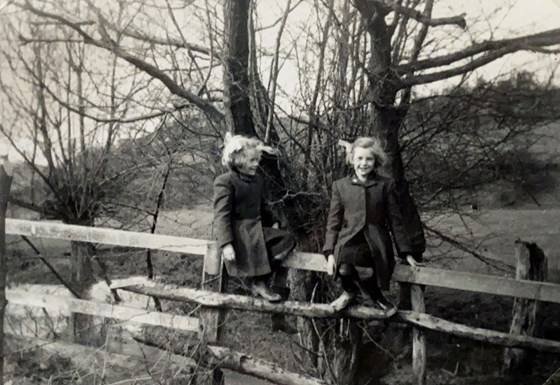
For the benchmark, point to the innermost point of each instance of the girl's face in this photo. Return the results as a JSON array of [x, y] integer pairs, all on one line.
[[363, 161], [250, 161]]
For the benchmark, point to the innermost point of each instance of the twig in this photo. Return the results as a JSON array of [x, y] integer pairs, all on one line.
[[462, 247], [553, 377], [51, 268]]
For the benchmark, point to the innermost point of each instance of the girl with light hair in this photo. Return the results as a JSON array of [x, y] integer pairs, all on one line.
[[243, 223], [363, 211]]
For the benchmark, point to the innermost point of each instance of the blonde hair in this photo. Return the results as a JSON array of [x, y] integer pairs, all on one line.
[[235, 147], [376, 147]]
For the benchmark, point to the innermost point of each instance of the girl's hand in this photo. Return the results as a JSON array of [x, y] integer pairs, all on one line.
[[331, 265], [228, 254]]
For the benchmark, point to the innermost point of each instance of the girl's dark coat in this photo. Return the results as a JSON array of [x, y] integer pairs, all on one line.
[[371, 207], [242, 218]]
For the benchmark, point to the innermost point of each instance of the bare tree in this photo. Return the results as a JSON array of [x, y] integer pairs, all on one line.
[[73, 154]]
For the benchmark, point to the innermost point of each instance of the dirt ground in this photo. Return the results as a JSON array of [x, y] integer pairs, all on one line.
[[450, 360]]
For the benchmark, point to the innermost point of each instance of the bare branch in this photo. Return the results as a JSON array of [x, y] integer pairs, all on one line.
[[173, 42], [417, 48], [108, 44], [446, 74], [529, 42], [498, 265], [421, 17]]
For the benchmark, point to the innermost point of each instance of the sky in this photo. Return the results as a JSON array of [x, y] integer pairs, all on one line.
[[514, 17]]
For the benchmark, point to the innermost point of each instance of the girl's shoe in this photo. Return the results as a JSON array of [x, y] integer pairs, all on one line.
[[261, 290], [343, 301], [281, 257], [387, 306]]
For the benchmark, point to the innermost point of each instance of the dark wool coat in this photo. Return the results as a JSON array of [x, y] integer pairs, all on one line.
[[242, 218], [371, 207]]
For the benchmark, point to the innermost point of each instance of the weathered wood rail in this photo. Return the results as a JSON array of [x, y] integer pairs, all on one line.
[[213, 301]]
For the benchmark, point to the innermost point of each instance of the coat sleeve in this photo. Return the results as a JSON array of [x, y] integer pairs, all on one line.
[[396, 220], [334, 221], [223, 211]]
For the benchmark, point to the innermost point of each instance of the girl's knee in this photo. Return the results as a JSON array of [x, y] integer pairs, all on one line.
[[364, 272], [346, 269]]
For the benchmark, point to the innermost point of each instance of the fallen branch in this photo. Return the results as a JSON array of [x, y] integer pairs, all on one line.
[[269, 371]]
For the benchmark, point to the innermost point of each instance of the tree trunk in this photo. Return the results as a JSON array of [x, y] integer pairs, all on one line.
[[345, 354], [5, 184], [236, 71], [302, 284], [237, 85], [84, 328]]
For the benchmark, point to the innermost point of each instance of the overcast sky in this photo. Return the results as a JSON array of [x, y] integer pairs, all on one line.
[[507, 17]]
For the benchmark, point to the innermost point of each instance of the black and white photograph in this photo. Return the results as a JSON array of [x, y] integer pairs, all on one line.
[[289, 192]]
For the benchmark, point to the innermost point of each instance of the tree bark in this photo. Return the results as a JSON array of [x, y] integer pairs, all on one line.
[[345, 354], [5, 185], [239, 118], [302, 283], [83, 326], [245, 363]]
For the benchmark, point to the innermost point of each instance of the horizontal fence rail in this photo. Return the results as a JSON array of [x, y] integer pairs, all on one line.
[[450, 279], [118, 312], [479, 283], [106, 236]]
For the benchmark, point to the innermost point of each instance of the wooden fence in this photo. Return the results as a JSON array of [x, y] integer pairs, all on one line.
[[213, 301]]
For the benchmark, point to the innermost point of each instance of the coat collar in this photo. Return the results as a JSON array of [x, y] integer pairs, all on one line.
[[371, 181]]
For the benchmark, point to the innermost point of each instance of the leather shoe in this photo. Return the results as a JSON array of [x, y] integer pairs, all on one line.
[[343, 301], [387, 306], [260, 289]]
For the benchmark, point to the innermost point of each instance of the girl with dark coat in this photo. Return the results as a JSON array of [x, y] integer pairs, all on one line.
[[363, 211], [249, 245]]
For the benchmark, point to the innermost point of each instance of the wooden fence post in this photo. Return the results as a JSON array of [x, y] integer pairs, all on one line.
[[211, 319], [531, 265], [5, 184], [418, 337]]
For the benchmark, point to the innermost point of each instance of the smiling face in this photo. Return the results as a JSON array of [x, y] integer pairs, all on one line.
[[363, 161], [250, 162]]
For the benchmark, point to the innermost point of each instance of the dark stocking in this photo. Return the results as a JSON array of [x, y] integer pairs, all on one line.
[[348, 277]]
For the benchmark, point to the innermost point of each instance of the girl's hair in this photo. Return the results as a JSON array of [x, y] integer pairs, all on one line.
[[235, 147], [374, 144]]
